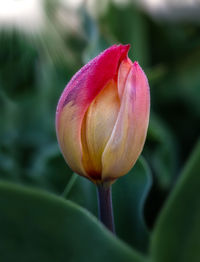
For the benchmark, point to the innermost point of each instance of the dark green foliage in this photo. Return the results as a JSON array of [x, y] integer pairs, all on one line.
[[36, 226], [176, 235], [157, 210], [129, 194]]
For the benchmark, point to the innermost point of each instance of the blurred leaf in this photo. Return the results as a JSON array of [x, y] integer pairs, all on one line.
[[17, 64], [36, 226], [129, 194], [161, 153], [175, 98], [176, 236], [50, 169], [129, 25], [96, 42], [82, 192], [28, 151], [8, 134]]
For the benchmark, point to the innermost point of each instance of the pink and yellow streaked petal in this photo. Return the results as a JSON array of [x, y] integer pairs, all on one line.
[[91, 78], [97, 127], [129, 133], [76, 98], [69, 139], [123, 72]]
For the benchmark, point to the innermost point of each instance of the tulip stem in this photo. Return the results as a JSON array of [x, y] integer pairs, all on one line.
[[104, 195]]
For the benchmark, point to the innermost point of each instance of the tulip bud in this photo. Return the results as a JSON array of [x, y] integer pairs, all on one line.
[[102, 116]]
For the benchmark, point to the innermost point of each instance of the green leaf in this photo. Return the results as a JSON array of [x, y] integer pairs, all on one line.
[[161, 154], [129, 194], [177, 232], [132, 29], [50, 170], [82, 192], [37, 226]]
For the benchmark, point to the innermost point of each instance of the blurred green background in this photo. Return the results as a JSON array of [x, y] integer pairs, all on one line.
[[40, 53]]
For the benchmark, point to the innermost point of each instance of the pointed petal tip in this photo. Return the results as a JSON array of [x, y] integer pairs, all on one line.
[[124, 50], [125, 47], [138, 69], [137, 66]]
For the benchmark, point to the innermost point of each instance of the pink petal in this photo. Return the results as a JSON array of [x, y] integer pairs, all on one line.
[[123, 72], [129, 133], [76, 98]]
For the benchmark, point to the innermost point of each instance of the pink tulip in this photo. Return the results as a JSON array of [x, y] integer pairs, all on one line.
[[102, 116]]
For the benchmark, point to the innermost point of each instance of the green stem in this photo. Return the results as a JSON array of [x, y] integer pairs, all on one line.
[[104, 196]]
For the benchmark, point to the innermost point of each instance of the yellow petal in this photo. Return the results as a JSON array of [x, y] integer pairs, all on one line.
[[69, 139], [97, 127]]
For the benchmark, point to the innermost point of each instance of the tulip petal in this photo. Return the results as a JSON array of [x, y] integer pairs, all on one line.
[[97, 127], [76, 98], [123, 72], [128, 136]]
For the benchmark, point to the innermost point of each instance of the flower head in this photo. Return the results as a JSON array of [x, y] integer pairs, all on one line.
[[102, 116]]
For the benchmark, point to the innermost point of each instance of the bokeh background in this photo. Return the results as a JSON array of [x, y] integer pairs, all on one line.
[[43, 43]]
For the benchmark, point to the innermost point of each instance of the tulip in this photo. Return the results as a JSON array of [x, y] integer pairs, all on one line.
[[102, 116], [101, 121]]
